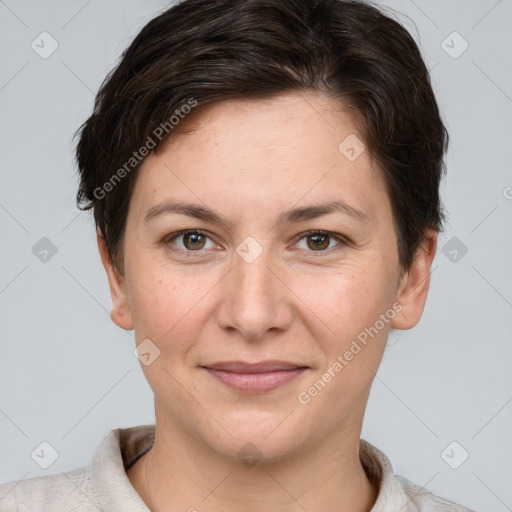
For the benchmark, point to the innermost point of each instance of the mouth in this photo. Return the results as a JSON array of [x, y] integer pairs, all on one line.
[[255, 377]]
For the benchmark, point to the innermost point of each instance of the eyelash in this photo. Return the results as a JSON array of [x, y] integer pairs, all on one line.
[[173, 236]]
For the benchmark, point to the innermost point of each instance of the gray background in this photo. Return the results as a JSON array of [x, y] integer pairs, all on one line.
[[67, 373]]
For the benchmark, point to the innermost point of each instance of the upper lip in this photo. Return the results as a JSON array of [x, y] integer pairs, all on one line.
[[259, 367]]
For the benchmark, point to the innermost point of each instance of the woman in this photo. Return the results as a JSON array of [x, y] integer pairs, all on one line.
[[264, 178]]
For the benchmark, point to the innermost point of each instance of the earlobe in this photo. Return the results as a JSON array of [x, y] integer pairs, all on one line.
[[413, 289], [120, 312]]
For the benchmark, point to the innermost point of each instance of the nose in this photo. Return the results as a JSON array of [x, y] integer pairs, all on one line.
[[255, 298]]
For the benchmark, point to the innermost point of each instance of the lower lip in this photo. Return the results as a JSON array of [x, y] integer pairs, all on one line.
[[256, 382]]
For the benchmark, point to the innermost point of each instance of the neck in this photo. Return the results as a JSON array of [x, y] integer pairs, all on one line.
[[179, 473]]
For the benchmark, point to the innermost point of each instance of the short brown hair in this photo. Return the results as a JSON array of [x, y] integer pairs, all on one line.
[[241, 49]]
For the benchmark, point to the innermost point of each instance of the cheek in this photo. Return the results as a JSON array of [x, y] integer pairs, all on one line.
[[346, 300], [350, 303], [170, 304], [166, 310], [152, 301]]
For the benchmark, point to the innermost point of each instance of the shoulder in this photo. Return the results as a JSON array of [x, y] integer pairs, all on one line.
[[101, 485], [424, 501], [70, 491], [396, 492]]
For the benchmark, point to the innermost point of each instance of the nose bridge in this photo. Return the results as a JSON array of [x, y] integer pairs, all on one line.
[[252, 274], [255, 292], [252, 270]]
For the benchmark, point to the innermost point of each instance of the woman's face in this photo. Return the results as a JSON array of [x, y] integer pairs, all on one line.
[[253, 286]]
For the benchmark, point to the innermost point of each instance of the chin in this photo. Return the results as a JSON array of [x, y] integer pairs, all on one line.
[[259, 436]]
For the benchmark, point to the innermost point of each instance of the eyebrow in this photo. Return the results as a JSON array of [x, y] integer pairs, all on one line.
[[295, 215]]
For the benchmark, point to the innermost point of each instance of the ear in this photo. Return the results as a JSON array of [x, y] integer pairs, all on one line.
[[120, 312], [413, 287]]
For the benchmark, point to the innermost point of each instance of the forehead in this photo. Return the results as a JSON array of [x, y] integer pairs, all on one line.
[[263, 153]]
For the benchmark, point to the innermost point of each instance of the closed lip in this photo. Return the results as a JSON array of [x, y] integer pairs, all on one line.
[[258, 367]]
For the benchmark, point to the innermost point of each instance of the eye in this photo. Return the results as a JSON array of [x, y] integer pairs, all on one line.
[[319, 240], [193, 240]]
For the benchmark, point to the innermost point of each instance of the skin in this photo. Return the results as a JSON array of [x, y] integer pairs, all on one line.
[[250, 161]]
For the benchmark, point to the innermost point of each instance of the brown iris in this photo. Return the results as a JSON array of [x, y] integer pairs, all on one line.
[[197, 240], [318, 243]]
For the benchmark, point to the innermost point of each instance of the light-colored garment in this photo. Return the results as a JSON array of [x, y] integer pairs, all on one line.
[[104, 486]]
